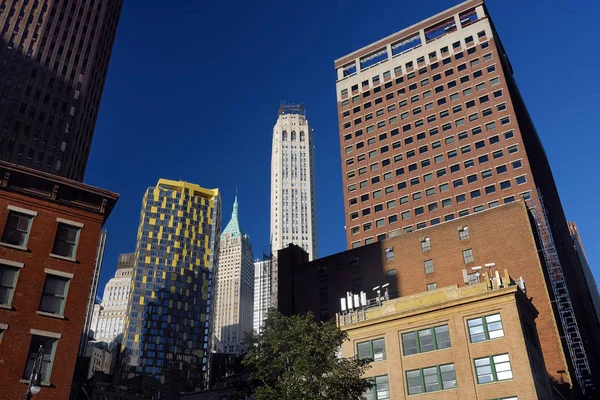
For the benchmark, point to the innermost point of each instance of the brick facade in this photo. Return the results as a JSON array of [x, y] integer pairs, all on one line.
[[502, 235], [453, 307], [50, 197]]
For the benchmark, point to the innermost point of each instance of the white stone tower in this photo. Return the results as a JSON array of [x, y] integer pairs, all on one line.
[[109, 317], [293, 202]]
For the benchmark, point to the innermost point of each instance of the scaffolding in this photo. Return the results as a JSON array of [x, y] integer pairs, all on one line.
[[562, 299]]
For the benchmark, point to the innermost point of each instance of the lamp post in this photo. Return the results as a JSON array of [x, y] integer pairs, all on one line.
[[35, 380]]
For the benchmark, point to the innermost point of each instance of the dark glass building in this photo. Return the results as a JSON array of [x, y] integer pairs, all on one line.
[[54, 57]]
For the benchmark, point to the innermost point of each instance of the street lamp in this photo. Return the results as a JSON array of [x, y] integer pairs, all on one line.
[[35, 380]]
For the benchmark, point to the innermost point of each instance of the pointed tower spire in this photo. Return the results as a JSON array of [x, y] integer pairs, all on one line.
[[233, 228]]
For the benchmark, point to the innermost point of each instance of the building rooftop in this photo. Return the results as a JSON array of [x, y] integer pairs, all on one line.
[[53, 188], [180, 186], [406, 32], [436, 299]]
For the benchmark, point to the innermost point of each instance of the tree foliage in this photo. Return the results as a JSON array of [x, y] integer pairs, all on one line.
[[295, 358]]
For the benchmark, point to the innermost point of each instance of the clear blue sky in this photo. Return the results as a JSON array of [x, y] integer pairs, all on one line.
[[194, 86]]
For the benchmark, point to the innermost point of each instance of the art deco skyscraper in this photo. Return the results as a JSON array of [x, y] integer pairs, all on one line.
[[235, 287], [168, 330], [293, 208], [54, 56]]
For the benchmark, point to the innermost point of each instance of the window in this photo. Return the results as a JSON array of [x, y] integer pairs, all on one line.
[[16, 231], [467, 256], [425, 340], [505, 185], [492, 369], [372, 349], [490, 189], [65, 242], [463, 232], [380, 389], [431, 379], [485, 328], [8, 281], [406, 215], [54, 295], [428, 264], [521, 180], [431, 286], [49, 346], [425, 244], [517, 164]]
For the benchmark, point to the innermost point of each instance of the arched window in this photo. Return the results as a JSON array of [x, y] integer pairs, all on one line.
[[284, 136], [293, 136], [302, 136]]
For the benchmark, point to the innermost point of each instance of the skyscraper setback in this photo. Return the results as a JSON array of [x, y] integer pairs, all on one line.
[[433, 128], [54, 57], [235, 286], [168, 330], [108, 319], [293, 213]]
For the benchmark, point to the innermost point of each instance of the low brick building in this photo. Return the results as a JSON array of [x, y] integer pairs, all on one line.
[[446, 254], [50, 230], [473, 342]]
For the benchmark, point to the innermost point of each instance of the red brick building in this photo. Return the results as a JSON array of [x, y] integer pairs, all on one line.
[[50, 229], [432, 128], [443, 255]]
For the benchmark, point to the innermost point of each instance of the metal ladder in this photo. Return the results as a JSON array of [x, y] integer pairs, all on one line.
[[562, 298]]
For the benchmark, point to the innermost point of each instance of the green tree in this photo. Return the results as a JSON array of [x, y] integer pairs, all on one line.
[[296, 358]]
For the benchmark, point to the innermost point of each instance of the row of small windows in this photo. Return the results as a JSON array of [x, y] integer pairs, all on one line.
[[424, 148], [434, 206], [490, 125], [481, 159], [447, 202], [422, 71], [434, 221], [284, 136], [429, 106]]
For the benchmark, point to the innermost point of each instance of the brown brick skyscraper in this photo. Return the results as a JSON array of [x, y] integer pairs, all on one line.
[[54, 55], [433, 128]]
